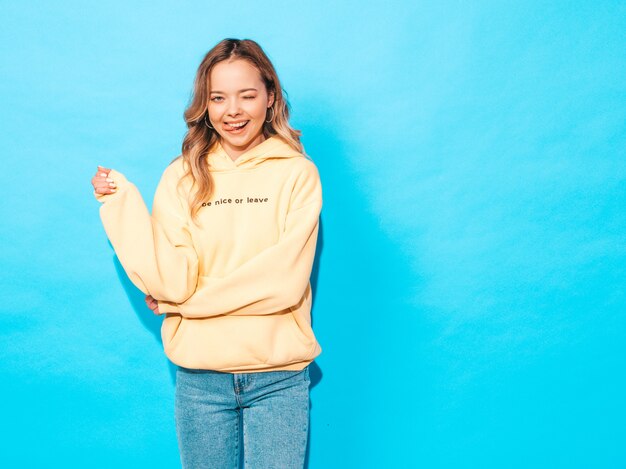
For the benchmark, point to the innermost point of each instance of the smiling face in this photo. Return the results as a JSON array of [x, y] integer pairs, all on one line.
[[238, 103]]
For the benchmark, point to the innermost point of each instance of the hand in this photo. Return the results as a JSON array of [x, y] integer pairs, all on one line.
[[102, 183], [152, 304]]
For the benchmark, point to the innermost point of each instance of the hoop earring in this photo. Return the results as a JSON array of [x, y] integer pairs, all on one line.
[[205, 123], [271, 109]]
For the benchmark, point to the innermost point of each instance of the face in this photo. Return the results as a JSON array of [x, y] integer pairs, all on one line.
[[238, 103]]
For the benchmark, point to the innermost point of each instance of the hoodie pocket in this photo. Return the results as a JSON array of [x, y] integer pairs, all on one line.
[[294, 345]]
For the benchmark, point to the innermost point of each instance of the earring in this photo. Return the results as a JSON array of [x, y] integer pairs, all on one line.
[[207, 124], [272, 118]]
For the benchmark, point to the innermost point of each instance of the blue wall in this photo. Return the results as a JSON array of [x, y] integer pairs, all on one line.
[[469, 289]]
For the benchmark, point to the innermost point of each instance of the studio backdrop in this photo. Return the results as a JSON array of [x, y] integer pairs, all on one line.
[[469, 286]]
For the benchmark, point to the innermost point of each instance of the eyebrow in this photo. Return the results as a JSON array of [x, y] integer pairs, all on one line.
[[240, 91]]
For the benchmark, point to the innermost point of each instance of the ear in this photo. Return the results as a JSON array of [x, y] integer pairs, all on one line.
[[270, 99]]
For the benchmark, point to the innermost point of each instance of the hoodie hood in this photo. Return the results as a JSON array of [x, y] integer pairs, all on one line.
[[271, 148]]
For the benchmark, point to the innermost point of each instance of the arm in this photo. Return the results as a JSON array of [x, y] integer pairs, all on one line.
[[277, 277], [156, 251]]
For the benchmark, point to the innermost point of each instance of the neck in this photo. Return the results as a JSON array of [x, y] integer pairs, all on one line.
[[235, 152]]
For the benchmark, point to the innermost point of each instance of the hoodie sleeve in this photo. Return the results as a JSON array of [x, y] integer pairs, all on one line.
[[278, 276], [156, 251]]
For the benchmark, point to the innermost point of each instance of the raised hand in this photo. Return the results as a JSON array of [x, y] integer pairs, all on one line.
[[102, 183]]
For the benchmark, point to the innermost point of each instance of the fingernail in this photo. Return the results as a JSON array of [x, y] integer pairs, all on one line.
[[109, 180], [103, 175], [112, 184], [112, 190]]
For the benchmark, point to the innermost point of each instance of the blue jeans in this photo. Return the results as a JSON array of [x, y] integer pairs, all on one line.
[[274, 411]]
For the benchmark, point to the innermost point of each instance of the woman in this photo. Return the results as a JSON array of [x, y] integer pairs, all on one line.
[[226, 257]]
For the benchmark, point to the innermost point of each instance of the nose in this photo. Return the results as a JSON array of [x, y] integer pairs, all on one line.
[[233, 107]]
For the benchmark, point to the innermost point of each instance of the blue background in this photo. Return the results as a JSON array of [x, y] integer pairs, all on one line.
[[469, 288]]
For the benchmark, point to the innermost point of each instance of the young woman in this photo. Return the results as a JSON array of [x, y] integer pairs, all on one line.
[[226, 257]]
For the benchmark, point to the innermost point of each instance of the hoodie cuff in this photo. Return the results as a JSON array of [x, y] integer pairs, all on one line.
[[121, 184], [167, 307]]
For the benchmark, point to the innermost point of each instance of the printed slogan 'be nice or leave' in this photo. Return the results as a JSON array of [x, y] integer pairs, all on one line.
[[245, 200]]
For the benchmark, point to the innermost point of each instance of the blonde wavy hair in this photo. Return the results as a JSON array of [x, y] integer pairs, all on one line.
[[199, 140]]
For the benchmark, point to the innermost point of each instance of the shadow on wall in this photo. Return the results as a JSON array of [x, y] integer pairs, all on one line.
[[364, 317], [148, 319]]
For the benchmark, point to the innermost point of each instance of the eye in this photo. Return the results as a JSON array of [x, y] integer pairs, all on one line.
[[249, 97], [215, 98]]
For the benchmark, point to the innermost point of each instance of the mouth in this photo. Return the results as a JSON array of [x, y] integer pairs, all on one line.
[[235, 127]]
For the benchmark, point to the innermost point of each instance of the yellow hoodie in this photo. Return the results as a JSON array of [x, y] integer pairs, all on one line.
[[235, 288]]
